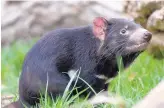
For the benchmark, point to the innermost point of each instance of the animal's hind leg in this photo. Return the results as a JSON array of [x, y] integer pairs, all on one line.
[[56, 83]]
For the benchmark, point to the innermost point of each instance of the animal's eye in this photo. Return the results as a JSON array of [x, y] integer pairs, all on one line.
[[123, 31]]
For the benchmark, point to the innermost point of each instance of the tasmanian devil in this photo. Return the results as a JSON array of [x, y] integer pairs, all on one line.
[[93, 49]]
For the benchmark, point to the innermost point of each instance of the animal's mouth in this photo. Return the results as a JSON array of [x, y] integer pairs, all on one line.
[[138, 47]]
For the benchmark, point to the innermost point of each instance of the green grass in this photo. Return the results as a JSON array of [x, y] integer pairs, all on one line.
[[144, 74], [132, 84], [11, 63]]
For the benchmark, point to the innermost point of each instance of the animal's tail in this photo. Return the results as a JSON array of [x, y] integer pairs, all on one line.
[[16, 104]]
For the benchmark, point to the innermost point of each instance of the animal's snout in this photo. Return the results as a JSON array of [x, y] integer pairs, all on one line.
[[147, 36]]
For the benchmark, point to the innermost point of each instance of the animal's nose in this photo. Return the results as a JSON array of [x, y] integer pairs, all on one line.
[[147, 36]]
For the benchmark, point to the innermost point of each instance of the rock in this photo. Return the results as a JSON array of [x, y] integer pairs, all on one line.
[[156, 47], [141, 10], [156, 20], [6, 99], [154, 99], [131, 8], [24, 20]]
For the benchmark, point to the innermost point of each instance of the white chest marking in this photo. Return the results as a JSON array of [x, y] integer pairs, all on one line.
[[72, 74], [102, 77]]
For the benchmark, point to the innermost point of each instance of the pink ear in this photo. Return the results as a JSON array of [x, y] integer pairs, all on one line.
[[99, 27]]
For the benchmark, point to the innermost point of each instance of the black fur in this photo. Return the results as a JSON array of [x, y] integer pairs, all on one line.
[[73, 48]]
